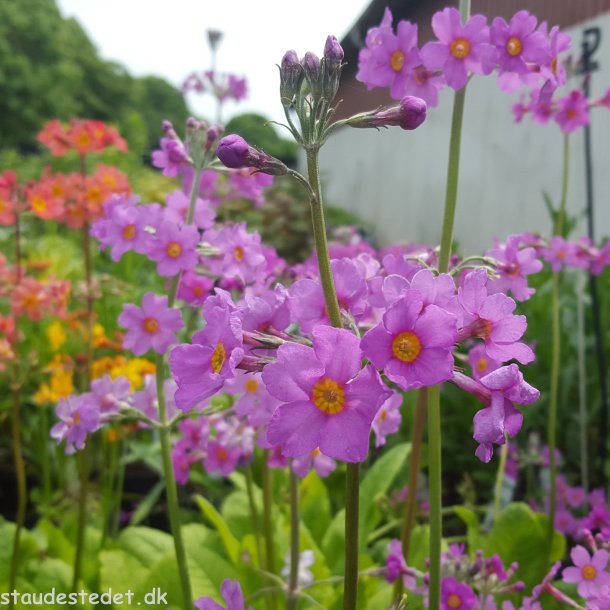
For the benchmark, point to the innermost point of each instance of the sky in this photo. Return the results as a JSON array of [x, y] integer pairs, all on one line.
[[169, 39]]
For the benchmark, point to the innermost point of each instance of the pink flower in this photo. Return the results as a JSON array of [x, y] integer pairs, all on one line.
[[79, 416], [125, 230], [172, 158], [177, 210], [491, 318], [108, 393], [573, 111], [322, 464], [220, 458], [517, 43], [396, 566], [413, 343], [232, 594], [201, 369], [174, 248], [194, 289], [390, 58], [152, 326], [589, 572], [456, 595], [330, 402], [388, 418], [462, 48]]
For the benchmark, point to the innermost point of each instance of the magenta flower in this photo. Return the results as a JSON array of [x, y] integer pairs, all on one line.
[[174, 248], [145, 400], [108, 394], [177, 210], [559, 42], [573, 111], [201, 369], [456, 595], [79, 416], [462, 49], [514, 264], [322, 464], [388, 419], [232, 594], [589, 572], [234, 152], [491, 318], [390, 58], [413, 343], [172, 158], [126, 231], [480, 363], [247, 185], [396, 566], [194, 289], [220, 458], [152, 326], [330, 400], [517, 43], [558, 253]]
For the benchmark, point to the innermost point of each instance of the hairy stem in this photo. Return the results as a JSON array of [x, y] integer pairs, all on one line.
[[268, 521], [293, 579]]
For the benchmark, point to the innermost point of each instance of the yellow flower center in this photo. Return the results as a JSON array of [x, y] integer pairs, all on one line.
[[83, 139], [316, 452], [481, 365], [406, 346], [198, 291], [397, 61], [239, 253], [174, 249], [129, 231], [589, 572], [460, 48], [218, 357], [329, 396], [454, 601], [150, 325], [38, 203], [251, 386], [76, 420], [514, 46], [554, 64], [383, 415], [222, 454]]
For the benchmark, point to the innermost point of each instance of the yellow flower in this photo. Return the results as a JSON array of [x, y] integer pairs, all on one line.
[[60, 385], [136, 369], [56, 335], [115, 366], [99, 335]]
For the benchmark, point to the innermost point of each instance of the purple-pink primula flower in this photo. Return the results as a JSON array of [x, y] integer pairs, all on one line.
[[589, 572], [126, 230], [572, 111], [232, 594], [390, 58], [322, 464], [388, 418], [172, 158], [414, 343], [108, 393], [396, 566], [79, 416], [518, 44], [461, 49], [330, 401], [152, 326], [174, 249], [490, 317], [457, 595], [200, 369]]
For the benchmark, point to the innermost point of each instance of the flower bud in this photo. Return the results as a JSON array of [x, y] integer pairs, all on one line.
[[333, 51], [235, 153], [214, 132], [291, 77], [409, 114]]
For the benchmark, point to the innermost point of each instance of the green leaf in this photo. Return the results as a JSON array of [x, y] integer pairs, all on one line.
[[145, 544], [231, 543], [520, 535], [315, 506], [147, 504], [471, 520], [376, 484], [333, 543], [58, 544]]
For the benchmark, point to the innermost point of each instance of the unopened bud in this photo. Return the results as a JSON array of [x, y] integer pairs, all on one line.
[[409, 114], [291, 77], [235, 153], [333, 51], [213, 134]]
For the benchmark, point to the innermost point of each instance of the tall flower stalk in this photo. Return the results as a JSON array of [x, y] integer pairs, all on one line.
[[20, 473], [558, 229]]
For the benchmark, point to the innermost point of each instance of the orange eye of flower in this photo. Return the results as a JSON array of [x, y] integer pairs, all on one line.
[[150, 325], [454, 601], [174, 249], [514, 46], [397, 61], [129, 231], [406, 346], [329, 396], [460, 48], [239, 253], [218, 357], [251, 386], [589, 572]]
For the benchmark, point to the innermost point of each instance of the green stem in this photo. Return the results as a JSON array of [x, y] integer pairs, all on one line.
[[434, 396], [556, 351], [293, 579], [117, 495], [254, 514], [268, 520], [582, 385], [20, 473], [350, 593], [46, 468], [417, 434], [84, 458], [170, 487], [110, 459], [500, 480]]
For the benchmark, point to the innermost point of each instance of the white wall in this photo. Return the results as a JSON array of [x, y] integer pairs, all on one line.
[[396, 179]]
